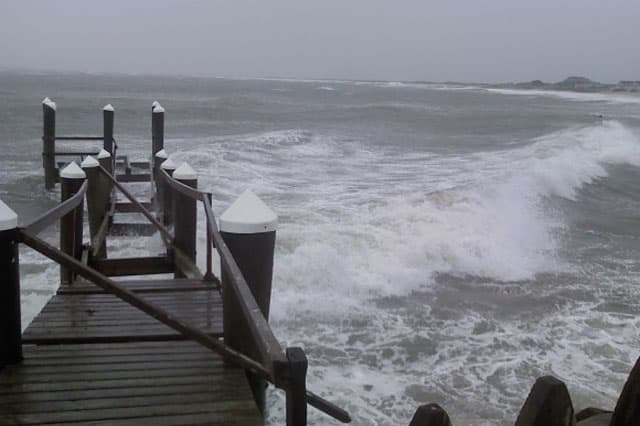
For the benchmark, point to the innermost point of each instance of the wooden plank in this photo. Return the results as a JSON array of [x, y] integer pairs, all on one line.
[[134, 266], [102, 317], [165, 389], [218, 410], [132, 229], [144, 286], [127, 207], [137, 177]]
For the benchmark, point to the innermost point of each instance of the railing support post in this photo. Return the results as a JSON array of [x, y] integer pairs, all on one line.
[[248, 228], [185, 212], [10, 323], [159, 158], [297, 391], [49, 143], [167, 194], [105, 160], [97, 201], [107, 121], [157, 129], [71, 179]]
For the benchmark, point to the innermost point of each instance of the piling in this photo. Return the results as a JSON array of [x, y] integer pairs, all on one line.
[[248, 228], [167, 194], [105, 160], [10, 323], [157, 129], [97, 201], [49, 142], [71, 179], [297, 391], [107, 120], [159, 158], [185, 214]]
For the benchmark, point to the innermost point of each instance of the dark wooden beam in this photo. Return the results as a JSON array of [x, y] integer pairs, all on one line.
[[134, 266]]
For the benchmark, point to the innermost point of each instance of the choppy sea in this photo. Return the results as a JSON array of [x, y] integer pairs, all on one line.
[[436, 243]]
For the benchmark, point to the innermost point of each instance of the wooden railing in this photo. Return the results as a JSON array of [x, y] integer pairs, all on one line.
[[284, 369]]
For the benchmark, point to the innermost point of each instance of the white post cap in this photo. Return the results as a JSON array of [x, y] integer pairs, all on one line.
[[8, 218], [108, 107], [89, 162], [162, 154], [185, 172], [103, 154], [72, 171], [48, 102], [158, 109], [168, 164], [248, 215]]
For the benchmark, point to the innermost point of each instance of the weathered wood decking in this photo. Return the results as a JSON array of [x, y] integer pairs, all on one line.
[[133, 383]]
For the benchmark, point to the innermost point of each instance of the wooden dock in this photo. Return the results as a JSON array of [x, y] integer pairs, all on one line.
[[153, 340], [148, 340]]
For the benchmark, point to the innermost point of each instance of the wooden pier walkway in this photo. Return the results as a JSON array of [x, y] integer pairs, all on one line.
[[148, 340], [153, 340]]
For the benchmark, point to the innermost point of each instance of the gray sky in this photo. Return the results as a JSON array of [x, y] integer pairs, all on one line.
[[481, 40]]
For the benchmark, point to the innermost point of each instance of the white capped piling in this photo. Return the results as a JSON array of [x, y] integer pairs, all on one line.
[[185, 214], [49, 142], [160, 157], [71, 179], [248, 228], [105, 160], [108, 122], [157, 129], [98, 195], [167, 193], [10, 322]]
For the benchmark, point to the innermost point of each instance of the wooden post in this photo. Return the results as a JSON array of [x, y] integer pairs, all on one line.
[[49, 143], [627, 412], [107, 120], [185, 211], [105, 160], [167, 194], [248, 228], [160, 157], [297, 391], [157, 129], [430, 415], [71, 179], [548, 404], [10, 323], [97, 200]]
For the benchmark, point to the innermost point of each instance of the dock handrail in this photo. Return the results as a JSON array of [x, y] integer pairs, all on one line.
[[271, 352], [166, 235], [268, 346], [51, 216]]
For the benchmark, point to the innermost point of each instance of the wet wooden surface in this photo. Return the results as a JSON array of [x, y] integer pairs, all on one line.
[[141, 383]]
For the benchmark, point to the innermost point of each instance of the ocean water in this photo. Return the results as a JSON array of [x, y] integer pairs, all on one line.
[[436, 243]]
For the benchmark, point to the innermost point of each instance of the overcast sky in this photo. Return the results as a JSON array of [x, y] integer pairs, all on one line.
[[473, 40]]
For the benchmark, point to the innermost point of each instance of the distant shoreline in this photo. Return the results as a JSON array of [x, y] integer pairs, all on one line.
[[570, 84]]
